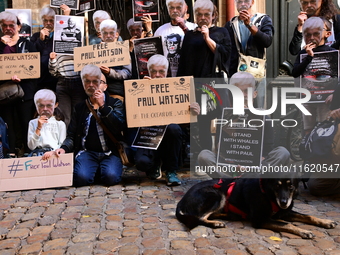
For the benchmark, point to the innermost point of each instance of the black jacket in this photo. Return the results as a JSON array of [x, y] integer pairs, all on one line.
[[112, 116], [256, 44], [29, 86]]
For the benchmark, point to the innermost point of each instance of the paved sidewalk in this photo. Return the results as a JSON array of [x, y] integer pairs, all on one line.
[[138, 217]]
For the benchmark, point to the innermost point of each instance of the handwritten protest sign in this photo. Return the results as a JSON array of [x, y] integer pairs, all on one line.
[[24, 65], [321, 75], [34, 173], [241, 139], [159, 101], [102, 54]]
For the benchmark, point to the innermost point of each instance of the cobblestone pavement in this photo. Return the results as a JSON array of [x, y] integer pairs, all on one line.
[[138, 217]]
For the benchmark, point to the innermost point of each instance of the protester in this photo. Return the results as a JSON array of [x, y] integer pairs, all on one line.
[[46, 132], [94, 151], [316, 31], [270, 156], [18, 114], [98, 17], [172, 33]]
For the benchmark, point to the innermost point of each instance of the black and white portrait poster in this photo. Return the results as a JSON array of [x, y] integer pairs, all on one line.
[[25, 18], [73, 4], [241, 139], [86, 5], [321, 75], [142, 8], [68, 33], [144, 49]]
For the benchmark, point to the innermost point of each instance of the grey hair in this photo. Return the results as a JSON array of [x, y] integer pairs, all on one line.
[[175, 1], [44, 94], [242, 78], [9, 16], [100, 14], [204, 4], [158, 60], [131, 22], [46, 11], [313, 23], [109, 23], [91, 70]]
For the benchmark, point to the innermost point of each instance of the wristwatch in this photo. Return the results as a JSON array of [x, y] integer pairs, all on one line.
[[250, 25]]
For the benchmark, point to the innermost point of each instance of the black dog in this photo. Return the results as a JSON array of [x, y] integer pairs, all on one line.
[[261, 201]]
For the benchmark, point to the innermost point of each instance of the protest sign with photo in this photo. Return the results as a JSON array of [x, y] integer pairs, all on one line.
[[73, 4], [25, 18], [68, 33], [86, 5], [159, 101], [321, 75], [145, 48], [149, 137], [34, 173], [241, 139], [142, 8], [102, 54], [24, 65]]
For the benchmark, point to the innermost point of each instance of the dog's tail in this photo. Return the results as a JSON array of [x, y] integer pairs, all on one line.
[[190, 221]]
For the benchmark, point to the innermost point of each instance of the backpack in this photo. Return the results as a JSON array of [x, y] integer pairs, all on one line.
[[4, 147]]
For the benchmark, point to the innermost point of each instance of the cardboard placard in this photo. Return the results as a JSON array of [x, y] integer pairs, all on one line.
[[241, 139], [159, 101], [321, 75], [149, 137], [24, 65], [102, 54], [73, 4], [33, 173], [142, 8], [68, 33]]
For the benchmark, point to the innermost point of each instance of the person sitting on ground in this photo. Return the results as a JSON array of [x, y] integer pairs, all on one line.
[[94, 151], [270, 156], [46, 132]]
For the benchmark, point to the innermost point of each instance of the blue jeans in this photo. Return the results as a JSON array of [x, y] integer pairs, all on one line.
[[88, 162]]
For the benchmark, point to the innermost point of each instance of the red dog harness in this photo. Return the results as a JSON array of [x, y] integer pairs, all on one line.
[[228, 207]]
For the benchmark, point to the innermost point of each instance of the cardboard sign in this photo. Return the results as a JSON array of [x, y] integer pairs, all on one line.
[[149, 137], [321, 75], [24, 65], [73, 4], [68, 33], [34, 173], [241, 139], [144, 49], [159, 101], [142, 8], [102, 54]]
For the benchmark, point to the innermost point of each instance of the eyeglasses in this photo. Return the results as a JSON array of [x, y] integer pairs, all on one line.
[[48, 20], [312, 2], [206, 15], [95, 82], [109, 33], [157, 71], [178, 8], [8, 25], [316, 34], [102, 82], [42, 106], [244, 1]]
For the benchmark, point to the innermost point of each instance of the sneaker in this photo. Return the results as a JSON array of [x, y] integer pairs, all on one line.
[[172, 180], [155, 175]]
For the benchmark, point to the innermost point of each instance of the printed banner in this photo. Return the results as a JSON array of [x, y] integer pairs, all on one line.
[[142, 8], [321, 75], [159, 101], [34, 173], [73, 4], [24, 65], [86, 5], [149, 137], [102, 54]]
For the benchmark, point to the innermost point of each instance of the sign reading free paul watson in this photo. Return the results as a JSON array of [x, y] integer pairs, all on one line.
[[102, 54], [159, 101]]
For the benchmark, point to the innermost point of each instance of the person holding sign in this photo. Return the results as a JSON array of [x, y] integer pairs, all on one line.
[[47, 132], [93, 149], [117, 74], [270, 156], [17, 115], [315, 30], [98, 17]]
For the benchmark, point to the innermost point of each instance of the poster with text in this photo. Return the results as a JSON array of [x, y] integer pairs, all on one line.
[[321, 75], [142, 8], [241, 139], [149, 137], [159, 101], [73, 4], [68, 34], [145, 48], [25, 18], [86, 5]]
